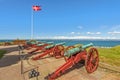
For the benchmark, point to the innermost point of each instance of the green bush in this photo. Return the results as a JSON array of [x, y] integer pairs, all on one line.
[[1, 43], [2, 52]]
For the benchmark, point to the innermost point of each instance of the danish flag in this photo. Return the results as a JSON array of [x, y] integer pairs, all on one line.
[[36, 8]]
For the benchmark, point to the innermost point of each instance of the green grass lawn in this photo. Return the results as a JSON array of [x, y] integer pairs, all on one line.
[[2, 52], [110, 55]]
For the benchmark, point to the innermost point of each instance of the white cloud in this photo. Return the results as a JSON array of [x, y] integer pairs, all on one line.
[[76, 37], [114, 32], [91, 33], [98, 33], [80, 27], [72, 33], [75, 33]]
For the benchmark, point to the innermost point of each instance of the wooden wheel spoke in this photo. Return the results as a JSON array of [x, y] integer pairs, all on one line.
[[58, 51], [68, 48], [92, 60], [92, 67]]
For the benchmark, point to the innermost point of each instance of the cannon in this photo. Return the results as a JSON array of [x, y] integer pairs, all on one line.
[[40, 46], [74, 56], [30, 44], [55, 50], [34, 44]]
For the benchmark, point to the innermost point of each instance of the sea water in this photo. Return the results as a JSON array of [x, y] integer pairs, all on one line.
[[69, 42], [98, 43]]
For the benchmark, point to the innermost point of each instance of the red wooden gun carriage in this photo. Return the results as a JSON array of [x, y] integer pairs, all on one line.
[[55, 50], [74, 56]]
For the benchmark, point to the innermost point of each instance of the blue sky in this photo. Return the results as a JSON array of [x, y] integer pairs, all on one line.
[[72, 19]]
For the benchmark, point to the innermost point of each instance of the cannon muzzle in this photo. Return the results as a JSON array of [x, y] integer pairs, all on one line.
[[51, 46], [87, 45], [75, 50], [30, 43], [49, 42], [40, 44]]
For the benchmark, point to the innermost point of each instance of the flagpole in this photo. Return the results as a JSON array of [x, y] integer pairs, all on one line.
[[34, 8], [32, 32]]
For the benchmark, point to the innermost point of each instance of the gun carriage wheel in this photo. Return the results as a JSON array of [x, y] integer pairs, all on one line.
[[68, 48], [58, 51], [92, 60]]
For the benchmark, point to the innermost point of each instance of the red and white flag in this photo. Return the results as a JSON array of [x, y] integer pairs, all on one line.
[[36, 8]]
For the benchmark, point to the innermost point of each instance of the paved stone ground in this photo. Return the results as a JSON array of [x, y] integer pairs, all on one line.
[[48, 65], [10, 68], [10, 65]]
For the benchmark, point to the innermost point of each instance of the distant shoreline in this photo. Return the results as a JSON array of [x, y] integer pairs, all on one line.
[[67, 39], [69, 42]]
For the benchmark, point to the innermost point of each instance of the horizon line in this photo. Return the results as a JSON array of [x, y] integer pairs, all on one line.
[[57, 39]]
